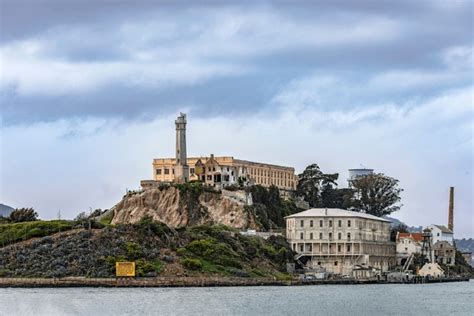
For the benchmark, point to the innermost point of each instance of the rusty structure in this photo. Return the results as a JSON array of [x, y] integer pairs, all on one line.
[[451, 210]]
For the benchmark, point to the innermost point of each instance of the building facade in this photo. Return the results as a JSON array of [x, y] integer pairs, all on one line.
[[339, 240], [444, 253], [408, 244], [441, 233], [220, 172]]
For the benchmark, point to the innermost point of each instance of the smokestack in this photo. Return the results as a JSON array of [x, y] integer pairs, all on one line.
[[451, 209]]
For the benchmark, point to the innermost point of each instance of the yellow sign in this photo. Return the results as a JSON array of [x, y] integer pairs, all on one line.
[[125, 269]]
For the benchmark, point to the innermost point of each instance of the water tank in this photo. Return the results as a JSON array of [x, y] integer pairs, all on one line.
[[355, 173]]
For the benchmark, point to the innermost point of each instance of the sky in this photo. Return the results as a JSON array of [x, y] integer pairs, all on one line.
[[89, 92]]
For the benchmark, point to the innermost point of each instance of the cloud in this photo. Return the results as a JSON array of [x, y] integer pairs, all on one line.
[[171, 54], [101, 158]]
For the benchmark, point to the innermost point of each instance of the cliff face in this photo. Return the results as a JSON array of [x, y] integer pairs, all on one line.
[[178, 208]]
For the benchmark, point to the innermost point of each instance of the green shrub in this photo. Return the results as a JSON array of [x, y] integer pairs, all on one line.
[[134, 250], [107, 219], [14, 232], [192, 264]]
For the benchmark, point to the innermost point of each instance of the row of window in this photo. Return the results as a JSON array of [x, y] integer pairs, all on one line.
[[166, 171], [277, 182], [339, 248], [339, 236], [269, 173], [321, 223]]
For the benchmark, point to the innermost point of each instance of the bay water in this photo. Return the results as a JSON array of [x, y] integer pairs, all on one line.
[[388, 299]]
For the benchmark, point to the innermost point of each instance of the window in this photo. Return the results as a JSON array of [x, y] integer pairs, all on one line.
[[330, 223], [437, 234], [348, 223], [339, 248], [192, 170], [330, 236], [301, 223], [320, 235], [335, 263], [158, 171], [339, 223], [311, 236], [209, 169], [209, 177], [339, 236], [167, 171], [301, 236], [301, 248], [348, 236], [321, 223], [348, 248], [311, 223], [310, 248]]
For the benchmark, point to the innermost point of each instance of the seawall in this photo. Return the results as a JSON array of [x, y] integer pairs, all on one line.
[[184, 282]]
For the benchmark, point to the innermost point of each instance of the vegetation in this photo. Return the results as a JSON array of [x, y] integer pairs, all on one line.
[[23, 215], [269, 208], [155, 248], [376, 194], [373, 194], [320, 189], [14, 232], [400, 228]]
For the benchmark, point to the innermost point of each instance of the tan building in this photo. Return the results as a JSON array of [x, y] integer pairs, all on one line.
[[444, 253], [223, 171], [408, 244], [341, 241]]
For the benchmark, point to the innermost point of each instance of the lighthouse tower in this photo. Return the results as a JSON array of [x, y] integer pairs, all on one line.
[[181, 169]]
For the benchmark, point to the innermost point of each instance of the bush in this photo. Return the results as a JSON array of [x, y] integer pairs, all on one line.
[[192, 264], [23, 215], [14, 232]]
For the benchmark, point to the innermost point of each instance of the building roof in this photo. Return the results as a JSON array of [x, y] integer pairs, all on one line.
[[443, 229], [414, 236], [335, 212]]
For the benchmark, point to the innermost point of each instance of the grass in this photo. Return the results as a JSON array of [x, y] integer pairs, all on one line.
[[106, 220], [14, 232]]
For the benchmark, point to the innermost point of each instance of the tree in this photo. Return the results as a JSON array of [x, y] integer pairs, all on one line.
[[376, 194], [400, 228], [319, 189], [23, 215]]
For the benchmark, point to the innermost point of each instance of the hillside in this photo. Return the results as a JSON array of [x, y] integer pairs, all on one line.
[[193, 204], [5, 210], [156, 248]]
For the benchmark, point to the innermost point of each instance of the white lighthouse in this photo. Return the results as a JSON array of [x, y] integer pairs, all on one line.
[[181, 170]]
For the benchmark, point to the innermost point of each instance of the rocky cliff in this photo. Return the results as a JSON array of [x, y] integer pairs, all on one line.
[[179, 206]]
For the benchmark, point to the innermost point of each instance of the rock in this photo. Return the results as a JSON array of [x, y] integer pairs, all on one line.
[[167, 205]]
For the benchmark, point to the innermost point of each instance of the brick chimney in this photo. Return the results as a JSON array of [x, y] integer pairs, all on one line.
[[451, 209]]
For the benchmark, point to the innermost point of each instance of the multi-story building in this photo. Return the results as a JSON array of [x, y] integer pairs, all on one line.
[[218, 172], [223, 171], [339, 240], [441, 233], [408, 244], [444, 253]]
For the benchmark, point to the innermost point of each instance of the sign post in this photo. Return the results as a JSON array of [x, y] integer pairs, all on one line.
[[124, 269]]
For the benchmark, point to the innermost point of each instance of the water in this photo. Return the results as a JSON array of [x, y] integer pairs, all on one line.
[[396, 299]]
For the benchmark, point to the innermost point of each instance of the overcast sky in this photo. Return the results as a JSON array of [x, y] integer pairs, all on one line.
[[90, 89]]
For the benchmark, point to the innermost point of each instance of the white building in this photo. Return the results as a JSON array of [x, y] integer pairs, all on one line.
[[339, 240], [441, 233], [408, 244]]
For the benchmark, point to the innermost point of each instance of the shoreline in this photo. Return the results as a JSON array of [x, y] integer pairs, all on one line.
[[188, 282]]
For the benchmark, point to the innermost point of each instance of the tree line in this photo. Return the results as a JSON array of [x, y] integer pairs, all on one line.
[[375, 194]]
